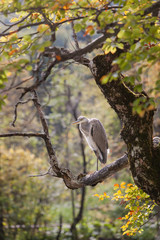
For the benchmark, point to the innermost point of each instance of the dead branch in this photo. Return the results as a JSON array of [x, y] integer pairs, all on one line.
[[15, 110]]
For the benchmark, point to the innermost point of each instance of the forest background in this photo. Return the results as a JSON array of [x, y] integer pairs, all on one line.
[[33, 204]]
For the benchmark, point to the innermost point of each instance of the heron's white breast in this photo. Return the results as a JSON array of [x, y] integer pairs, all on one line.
[[91, 143]]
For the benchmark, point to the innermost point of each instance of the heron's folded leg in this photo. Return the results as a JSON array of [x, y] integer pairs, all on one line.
[[97, 164]]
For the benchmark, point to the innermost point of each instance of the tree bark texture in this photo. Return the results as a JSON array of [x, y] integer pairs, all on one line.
[[137, 132]]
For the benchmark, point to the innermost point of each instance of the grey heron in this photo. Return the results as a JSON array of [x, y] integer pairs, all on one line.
[[95, 135]]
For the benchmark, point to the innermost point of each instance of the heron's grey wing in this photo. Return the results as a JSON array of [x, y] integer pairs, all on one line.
[[99, 137]]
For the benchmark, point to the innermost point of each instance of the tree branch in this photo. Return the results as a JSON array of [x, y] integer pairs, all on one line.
[[106, 172], [21, 28], [152, 8], [22, 134]]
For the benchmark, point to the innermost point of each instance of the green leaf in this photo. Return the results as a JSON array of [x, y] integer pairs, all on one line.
[[124, 34], [120, 45], [78, 27]]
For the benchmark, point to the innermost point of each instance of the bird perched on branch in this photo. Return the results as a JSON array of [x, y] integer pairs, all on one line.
[[95, 135]]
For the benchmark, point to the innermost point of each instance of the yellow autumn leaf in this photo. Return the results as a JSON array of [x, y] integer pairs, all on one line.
[[14, 20], [122, 185], [8, 74], [96, 195], [105, 195], [141, 113], [151, 107], [129, 185], [119, 192], [3, 39], [43, 27], [101, 198]]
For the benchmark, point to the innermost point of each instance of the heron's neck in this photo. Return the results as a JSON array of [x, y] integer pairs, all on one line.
[[85, 127]]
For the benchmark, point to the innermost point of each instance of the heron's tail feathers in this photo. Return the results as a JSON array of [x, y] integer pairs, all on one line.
[[102, 156], [103, 160]]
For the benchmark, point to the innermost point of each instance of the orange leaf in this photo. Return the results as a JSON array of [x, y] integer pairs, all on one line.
[[138, 208], [12, 52], [138, 197], [63, 19], [88, 30], [13, 32], [34, 15], [58, 57], [116, 185], [66, 7], [131, 212]]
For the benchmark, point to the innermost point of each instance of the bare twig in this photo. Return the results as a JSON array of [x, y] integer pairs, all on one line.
[[14, 24], [15, 110], [21, 28], [17, 85], [39, 175], [44, 174], [75, 36]]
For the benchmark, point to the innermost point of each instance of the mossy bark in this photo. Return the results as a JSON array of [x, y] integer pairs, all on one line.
[[137, 131]]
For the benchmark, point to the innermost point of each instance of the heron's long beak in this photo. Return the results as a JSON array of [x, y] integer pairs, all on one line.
[[76, 122]]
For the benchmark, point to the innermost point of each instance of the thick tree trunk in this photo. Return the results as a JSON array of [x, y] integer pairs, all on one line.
[[137, 132]]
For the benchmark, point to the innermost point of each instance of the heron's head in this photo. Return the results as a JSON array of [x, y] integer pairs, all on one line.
[[80, 119]]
